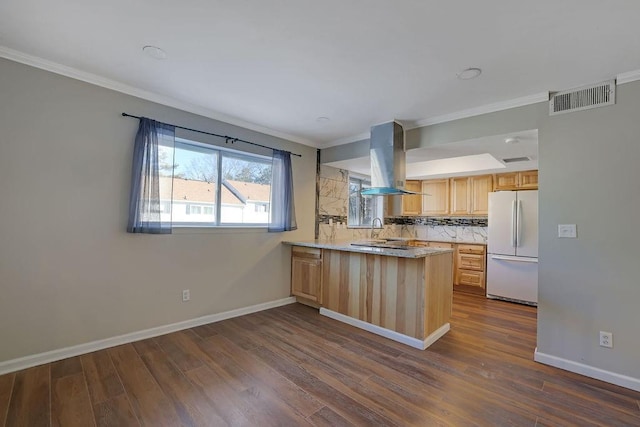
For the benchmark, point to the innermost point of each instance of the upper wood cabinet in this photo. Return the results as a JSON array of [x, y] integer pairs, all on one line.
[[437, 202], [460, 190], [524, 180], [408, 205], [481, 186], [528, 180], [412, 204], [506, 181], [470, 195]]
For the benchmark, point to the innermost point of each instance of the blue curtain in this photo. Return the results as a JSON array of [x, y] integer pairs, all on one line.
[[144, 200], [283, 213]]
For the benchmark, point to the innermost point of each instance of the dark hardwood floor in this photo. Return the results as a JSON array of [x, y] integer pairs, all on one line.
[[290, 366]]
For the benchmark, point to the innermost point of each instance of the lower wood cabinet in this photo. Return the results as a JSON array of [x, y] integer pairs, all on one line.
[[306, 273], [471, 262]]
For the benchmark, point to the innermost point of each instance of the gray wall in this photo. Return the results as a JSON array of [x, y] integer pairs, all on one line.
[[69, 273], [501, 122], [589, 176]]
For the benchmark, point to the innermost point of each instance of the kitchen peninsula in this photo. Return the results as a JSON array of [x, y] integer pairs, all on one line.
[[401, 292]]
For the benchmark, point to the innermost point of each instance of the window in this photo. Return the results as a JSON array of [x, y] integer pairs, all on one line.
[[165, 207], [262, 207], [208, 186], [362, 209]]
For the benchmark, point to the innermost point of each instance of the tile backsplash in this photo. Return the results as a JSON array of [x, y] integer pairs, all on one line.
[[333, 197]]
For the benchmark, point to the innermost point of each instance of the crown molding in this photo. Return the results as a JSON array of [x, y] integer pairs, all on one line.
[[463, 114], [74, 73], [628, 77], [484, 109]]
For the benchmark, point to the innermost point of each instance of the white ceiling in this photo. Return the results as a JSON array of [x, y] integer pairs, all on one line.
[[463, 158], [281, 64]]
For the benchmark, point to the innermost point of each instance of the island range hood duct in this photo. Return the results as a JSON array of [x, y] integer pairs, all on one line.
[[388, 161]]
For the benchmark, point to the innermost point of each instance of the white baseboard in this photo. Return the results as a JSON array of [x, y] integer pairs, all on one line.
[[587, 370], [388, 333], [63, 353]]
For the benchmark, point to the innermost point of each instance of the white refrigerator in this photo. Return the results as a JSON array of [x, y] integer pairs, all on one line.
[[512, 246]]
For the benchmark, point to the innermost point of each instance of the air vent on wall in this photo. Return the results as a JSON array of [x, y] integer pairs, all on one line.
[[583, 98], [516, 159]]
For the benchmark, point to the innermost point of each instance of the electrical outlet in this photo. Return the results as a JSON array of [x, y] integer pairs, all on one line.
[[606, 339], [186, 295]]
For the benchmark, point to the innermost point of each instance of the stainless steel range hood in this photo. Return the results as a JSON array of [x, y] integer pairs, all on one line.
[[388, 161]]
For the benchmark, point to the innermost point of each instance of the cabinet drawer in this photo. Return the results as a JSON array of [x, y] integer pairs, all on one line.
[[471, 278], [303, 252], [471, 262], [471, 249], [441, 245]]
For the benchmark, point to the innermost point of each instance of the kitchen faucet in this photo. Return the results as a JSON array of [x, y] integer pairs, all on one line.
[[373, 223]]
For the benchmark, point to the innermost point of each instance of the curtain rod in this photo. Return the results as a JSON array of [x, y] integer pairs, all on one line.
[[226, 137]]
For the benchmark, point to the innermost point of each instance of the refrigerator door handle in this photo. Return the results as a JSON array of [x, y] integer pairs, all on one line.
[[514, 258], [513, 223], [519, 223]]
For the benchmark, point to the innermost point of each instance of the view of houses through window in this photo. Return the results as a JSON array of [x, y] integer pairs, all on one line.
[[362, 209], [206, 186]]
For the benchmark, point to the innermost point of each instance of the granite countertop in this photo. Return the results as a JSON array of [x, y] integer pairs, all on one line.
[[423, 239], [463, 242], [345, 245]]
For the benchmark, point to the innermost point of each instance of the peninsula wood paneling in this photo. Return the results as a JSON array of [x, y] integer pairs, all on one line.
[[439, 291], [390, 292]]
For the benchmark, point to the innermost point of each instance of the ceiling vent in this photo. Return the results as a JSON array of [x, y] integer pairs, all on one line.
[[583, 98], [516, 159]]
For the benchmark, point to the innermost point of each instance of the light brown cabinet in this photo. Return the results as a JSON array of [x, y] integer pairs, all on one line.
[[470, 195], [412, 204], [528, 180], [524, 180], [481, 186], [459, 196], [443, 245], [437, 201], [471, 262], [306, 273]]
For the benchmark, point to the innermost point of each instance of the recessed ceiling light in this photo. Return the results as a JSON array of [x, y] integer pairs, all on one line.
[[469, 73], [512, 140], [322, 119], [155, 52]]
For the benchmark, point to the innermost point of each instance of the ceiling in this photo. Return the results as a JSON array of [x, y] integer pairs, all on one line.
[[464, 158], [279, 65]]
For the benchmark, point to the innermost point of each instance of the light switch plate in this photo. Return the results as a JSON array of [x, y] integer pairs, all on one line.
[[567, 231]]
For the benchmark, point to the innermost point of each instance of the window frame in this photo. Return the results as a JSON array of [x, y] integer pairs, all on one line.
[[377, 211], [217, 204]]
